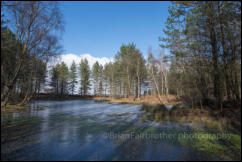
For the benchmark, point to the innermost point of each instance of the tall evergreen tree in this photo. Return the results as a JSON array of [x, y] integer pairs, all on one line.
[[59, 79], [63, 74], [85, 77], [54, 79], [100, 79], [72, 75], [95, 76]]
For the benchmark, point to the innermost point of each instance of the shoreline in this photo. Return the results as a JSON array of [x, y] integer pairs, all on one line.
[[147, 99], [14, 108], [151, 104]]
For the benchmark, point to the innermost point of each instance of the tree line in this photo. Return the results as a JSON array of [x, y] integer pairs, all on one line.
[[64, 80], [202, 67], [124, 77]]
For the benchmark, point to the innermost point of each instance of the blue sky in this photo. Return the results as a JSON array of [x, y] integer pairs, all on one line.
[[100, 28]]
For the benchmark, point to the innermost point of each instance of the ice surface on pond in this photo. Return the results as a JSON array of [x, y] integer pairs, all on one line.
[[101, 111], [77, 130]]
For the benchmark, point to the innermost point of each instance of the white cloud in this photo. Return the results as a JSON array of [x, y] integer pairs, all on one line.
[[68, 58]]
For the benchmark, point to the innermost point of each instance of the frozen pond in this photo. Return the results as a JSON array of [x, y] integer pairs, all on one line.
[[89, 130]]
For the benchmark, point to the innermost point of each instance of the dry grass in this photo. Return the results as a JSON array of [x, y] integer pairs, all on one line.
[[211, 118], [151, 99], [12, 108]]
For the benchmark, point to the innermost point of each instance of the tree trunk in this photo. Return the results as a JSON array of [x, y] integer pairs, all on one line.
[[217, 86], [157, 89], [28, 93]]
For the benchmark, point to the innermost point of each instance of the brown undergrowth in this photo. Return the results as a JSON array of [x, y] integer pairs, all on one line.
[[151, 99]]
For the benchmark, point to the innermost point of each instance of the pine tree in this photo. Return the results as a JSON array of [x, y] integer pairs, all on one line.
[[55, 79], [100, 79], [95, 77], [59, 79], [63, 75], [175, 40], [73, 77], [85, 77]]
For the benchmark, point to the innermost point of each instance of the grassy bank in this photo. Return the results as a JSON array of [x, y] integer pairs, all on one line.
[[229, 119], [225, 146], [13, 107], [148, 99]]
